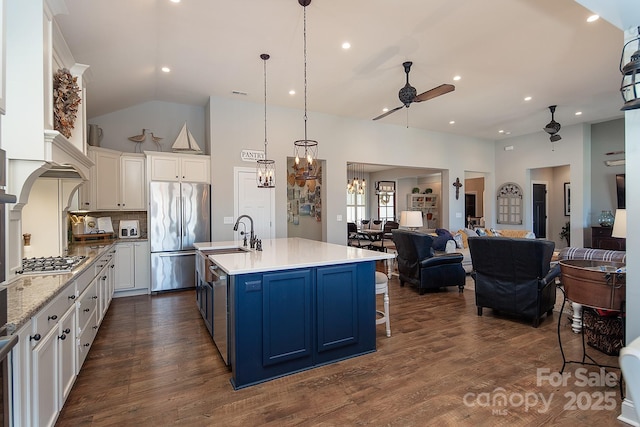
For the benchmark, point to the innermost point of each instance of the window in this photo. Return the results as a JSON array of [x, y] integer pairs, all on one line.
[[386, 191], [356, 204]]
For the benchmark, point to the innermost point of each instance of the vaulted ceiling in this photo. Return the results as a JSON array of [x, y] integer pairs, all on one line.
[[504, 51]]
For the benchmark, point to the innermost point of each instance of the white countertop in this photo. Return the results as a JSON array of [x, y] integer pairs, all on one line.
[[287, 254]]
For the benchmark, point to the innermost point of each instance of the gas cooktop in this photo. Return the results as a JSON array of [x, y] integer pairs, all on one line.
[[51, 265]]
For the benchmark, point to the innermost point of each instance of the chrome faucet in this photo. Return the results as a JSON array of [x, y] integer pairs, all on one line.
[[252, 238]]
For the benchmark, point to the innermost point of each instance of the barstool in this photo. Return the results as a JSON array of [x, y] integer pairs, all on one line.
[[382, 287]]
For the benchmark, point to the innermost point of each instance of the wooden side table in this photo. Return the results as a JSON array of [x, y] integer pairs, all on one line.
[[601, 239]]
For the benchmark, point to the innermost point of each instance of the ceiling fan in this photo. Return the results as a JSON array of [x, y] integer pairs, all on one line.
[[407, 94], [553, 127]]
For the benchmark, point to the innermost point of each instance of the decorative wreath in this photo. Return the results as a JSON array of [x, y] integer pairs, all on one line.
[[66, 99]]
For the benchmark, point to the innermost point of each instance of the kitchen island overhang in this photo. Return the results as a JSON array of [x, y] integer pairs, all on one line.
[[296, 305]]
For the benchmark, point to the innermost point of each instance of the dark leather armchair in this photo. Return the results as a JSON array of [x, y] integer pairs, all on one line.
[[514, 275], [418, 266]]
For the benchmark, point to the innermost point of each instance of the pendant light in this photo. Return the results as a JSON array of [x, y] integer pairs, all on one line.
[[266, 169], [305, 150], [630, 86], [358, 184]]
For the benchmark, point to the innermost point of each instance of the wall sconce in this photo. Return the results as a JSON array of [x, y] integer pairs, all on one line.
[[630, 86]]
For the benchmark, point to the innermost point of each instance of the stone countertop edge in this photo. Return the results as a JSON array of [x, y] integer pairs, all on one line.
[[28, 294], [286, 254]]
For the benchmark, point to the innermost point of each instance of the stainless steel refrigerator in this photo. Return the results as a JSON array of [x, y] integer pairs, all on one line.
[[179, 216]]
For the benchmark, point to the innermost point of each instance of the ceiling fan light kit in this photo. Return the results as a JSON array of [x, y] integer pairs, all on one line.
[[553, 127], [305, 150], [407, 94], [630, 86]]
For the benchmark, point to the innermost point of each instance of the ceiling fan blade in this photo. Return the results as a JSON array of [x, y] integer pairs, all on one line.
[[388, 112], [432, 93]]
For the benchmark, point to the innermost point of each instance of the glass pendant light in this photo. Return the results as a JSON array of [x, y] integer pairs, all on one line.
[[266, 169], [305, 150]]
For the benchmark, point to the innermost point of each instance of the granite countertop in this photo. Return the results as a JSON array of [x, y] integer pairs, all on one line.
[[27, 294], [286, 254]]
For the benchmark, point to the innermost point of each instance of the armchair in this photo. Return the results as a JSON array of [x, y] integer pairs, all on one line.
[[514, 275], [418, 266]]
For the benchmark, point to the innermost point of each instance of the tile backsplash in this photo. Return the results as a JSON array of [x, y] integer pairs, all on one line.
[[117, 216]]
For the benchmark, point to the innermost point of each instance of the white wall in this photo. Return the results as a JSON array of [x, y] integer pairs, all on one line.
[[535, 151], [606, 137], [164, 119], [237, 125]]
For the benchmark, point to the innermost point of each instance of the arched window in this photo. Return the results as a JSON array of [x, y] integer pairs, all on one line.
[[510, 204]]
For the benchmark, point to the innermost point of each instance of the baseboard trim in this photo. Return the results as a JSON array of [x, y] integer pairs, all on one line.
[[628, 413]]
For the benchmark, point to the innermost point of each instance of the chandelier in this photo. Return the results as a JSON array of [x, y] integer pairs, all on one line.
[[266, 169], [305, 150], [357, 184]]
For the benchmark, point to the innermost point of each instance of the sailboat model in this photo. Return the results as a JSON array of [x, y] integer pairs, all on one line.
[[185, 141]]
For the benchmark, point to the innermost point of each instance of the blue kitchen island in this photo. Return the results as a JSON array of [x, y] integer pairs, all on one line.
[[295, 305]]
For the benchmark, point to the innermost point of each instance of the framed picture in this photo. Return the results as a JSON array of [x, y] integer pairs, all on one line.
[[567, 199]]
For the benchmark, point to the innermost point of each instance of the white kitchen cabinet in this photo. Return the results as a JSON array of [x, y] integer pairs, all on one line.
[[66, 355], [118, 181], [45, 382], [179, 167], [21, 377], [132, 275]]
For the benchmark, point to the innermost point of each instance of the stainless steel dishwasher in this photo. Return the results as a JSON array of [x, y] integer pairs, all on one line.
[[220, 311]]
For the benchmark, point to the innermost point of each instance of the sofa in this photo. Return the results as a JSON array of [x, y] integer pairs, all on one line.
[[514, 275], [418, 265], [460, 244]]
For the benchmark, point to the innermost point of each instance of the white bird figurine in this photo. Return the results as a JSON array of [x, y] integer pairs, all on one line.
[[157, 140], [139, 139]]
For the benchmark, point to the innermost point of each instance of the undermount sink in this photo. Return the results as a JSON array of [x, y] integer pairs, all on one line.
[[221, 251]]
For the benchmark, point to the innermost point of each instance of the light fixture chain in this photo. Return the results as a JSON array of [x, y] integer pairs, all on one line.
[[305, 68], [265, 108]]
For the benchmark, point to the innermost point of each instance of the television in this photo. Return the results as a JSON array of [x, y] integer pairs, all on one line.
[[620, 190]]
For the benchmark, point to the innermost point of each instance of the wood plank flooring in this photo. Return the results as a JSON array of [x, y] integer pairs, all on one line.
[[154, 364]]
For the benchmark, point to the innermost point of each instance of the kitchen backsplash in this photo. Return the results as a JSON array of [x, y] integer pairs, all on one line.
[[117, 216]]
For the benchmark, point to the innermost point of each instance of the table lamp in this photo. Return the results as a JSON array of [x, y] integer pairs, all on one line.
[[411, 219], [620, 224]]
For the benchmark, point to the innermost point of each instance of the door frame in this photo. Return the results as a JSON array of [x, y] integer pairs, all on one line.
[[236, 200]]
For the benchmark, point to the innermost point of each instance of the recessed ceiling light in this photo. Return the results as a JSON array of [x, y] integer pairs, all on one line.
[[527, 98], [175, 1], [456, 78], [452, 122], [507, 133], [346, 45], [385, 109], [501, 131], [593, 18], [578, 113], [165, 69], [292, 92]]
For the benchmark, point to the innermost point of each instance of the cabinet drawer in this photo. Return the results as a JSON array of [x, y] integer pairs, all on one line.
[[601, 231], [85, 339], [48, 317], [87, 304]]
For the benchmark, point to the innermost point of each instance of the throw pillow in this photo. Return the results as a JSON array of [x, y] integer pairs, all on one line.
[[450, 247], [459, 239], [530, 235], [496, 232], [440, 242], [481, 231]]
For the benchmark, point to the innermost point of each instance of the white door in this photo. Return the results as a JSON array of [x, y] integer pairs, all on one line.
[[258, 203]]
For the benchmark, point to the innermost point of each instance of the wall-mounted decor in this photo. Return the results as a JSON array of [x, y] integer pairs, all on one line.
[[510, 204], [457, 184], [567, 199], [66, 98]]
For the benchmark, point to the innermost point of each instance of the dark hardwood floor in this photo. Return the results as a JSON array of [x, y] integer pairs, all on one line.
[[153, 364]]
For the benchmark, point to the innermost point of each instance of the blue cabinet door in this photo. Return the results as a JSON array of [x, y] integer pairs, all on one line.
[[345, 313]]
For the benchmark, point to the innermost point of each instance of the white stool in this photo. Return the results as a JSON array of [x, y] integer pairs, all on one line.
[[382, 287]]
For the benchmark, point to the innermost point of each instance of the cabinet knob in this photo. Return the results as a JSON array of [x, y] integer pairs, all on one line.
[[66, 331], [104, 278], [54, 317], [86, 345], [71, 297], [86, 203], [95, 327], [95, 297], [36, 337], [86, 310], [62, 337], [113, 265]]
